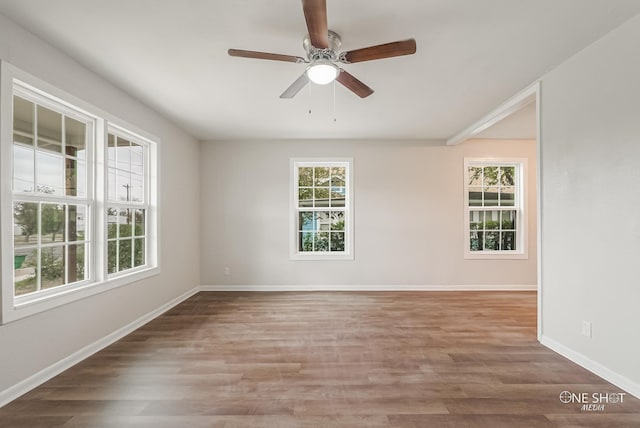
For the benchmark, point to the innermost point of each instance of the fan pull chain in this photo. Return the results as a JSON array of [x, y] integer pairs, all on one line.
[[309, 92], [334, 101]]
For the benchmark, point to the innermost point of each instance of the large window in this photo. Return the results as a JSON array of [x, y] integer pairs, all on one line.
[[321, 197], [81, 207], [494, 217], [51, 198]]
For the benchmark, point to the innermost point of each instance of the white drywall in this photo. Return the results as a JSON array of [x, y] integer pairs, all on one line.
[[408, 206], [590, 145], [35, 343]]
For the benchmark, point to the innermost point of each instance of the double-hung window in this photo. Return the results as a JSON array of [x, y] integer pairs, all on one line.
[[79, 209], [494, 208], [127, 201], [52, 197], [322, 221]]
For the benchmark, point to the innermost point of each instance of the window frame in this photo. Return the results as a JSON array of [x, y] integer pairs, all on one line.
[[521, 251], [294, 209], [145, 204], [16, 307]]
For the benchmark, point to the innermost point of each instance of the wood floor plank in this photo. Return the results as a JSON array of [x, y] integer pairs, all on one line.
[[327, 359]]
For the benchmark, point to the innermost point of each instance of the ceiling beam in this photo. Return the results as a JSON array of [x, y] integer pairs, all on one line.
[[513, 104]]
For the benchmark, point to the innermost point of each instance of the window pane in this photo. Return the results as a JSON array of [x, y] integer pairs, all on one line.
[[49, 130], [476, 242], [321, 176], [321, 197], [112, 256], [23, 179], [305, 177], [23, 120], [137, 190], [75, 178], [137, 159], [508, 219], [338, 196], [337, 220], [492, 220], [321, 241], [475, 196], [124, 254], [111, 150], [508, 241], [475, 176], [305, 220], [76, 263], [139, 222], [112, 223], [338, 175], [490, 175], [507, 196], [476, 220], [49, 173], [111, 185], [123, 187], [139, 253], [52, 223], [491, 241], [305, 241], [25, 223], [323, 220], [337, 241], [305, 197], [123, 155], [125, 223], [77, 216], [52, 266], [75, 138], [490, 196], [25, 273], [507, 176]]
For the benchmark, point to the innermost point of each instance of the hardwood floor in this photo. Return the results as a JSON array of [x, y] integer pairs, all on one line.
[[327, 359]]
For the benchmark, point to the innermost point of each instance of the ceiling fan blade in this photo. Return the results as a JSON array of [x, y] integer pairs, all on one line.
[[315, 13], [296, 86], [387, 50], [265, 55], [353, 84]]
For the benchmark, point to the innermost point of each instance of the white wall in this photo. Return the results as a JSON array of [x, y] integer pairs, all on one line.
[[32, 344], [591, 209], [408, 203]]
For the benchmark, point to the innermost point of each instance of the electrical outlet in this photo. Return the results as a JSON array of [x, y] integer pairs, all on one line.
[[227, 271], [586, 329]]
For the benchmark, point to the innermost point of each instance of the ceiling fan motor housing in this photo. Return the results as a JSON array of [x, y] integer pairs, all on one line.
[[330, 53]]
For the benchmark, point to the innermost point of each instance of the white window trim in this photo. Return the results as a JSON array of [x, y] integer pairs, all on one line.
[[522, 241], [294, 254], [13, 308]]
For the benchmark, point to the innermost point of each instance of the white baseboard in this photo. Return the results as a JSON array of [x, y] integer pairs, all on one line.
[[55, 369], [607, 374], [371, 287]]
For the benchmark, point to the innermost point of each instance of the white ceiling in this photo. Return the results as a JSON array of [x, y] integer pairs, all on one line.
[[520, 125], [172, 55]]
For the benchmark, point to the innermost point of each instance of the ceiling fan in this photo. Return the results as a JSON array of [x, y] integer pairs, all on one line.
[[322, 45]]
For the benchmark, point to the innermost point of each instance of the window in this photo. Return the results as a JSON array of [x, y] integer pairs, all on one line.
[[80, 214], [127, 202], [322, 225], [495, 219], [51, 198]]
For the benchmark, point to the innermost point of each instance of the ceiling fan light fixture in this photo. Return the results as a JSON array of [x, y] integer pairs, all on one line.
[[322, 72]]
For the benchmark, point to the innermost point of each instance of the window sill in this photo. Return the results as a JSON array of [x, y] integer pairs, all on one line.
[[21, 307], [321, 256], [491, 255]]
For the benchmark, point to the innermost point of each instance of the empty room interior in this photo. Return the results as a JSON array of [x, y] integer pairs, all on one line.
[[319, 213]]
